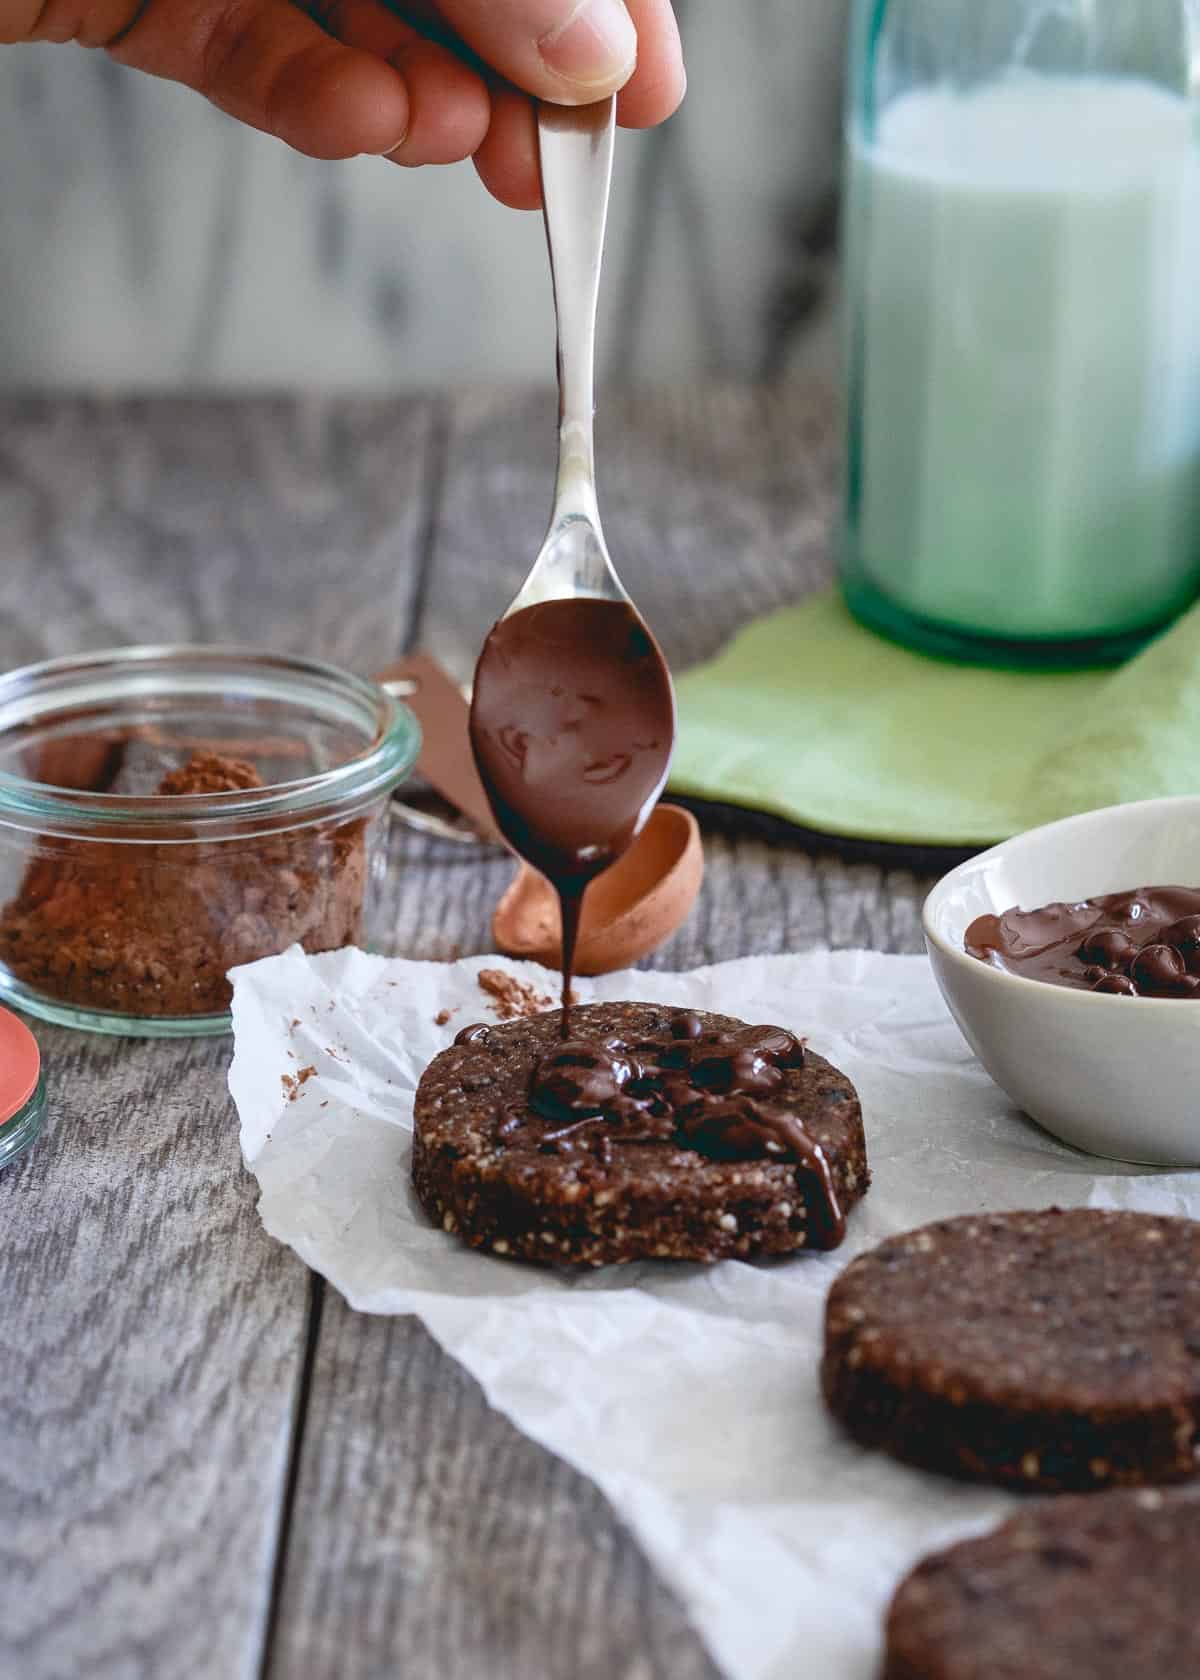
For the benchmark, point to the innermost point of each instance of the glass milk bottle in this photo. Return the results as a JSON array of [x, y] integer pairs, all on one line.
[[1023, 324]]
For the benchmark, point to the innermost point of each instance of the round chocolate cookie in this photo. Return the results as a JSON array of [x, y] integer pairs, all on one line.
[[1074, 1589], [1054, 1350], [650, 1133]]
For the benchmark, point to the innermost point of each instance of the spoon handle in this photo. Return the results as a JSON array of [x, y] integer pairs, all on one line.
[[575, 144]]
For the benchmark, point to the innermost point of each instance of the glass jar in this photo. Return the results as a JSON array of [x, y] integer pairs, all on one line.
[[1022, 330], [168, 813]]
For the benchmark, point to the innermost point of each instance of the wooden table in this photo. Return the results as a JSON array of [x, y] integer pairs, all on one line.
[[208, 1465]]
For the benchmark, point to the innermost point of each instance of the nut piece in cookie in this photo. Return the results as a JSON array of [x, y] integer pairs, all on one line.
[[1053, 1350], [651, 1133], [1102, 1588]]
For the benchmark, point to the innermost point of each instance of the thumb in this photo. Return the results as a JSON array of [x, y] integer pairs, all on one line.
[[569, 51]]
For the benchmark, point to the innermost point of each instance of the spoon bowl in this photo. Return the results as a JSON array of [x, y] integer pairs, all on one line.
[[629, 911]]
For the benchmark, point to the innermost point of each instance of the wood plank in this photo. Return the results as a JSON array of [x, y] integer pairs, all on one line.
[[155, 1334], [150, 1339], [427, 1537], [431, 1539], [289, 523], [766, 888], [716, 505], [151, 1335]]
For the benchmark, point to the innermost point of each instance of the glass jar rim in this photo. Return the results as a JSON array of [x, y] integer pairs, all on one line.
[[37, 692]]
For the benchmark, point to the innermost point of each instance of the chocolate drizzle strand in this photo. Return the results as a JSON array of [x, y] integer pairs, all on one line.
[[1141, 943]]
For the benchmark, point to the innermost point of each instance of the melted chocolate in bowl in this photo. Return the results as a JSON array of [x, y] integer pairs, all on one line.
[[572, 726], [1142, 943]]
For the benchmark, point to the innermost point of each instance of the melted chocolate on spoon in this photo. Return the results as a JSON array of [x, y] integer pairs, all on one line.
[[572, 725]]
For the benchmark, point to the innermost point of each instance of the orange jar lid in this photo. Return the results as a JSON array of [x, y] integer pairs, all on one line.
[[20, 1065]]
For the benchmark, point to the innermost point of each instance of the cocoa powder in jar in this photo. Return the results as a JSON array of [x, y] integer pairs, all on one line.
[[151, 929]]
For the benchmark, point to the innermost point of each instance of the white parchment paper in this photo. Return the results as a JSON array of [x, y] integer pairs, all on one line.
[[688, 1393]]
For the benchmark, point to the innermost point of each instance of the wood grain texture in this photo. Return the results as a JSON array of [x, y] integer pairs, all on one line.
[[716, 504], [431, 1540], [764, 890], [152, 1339], [290, 523], [427, 1538], [215, 255], [151, 1335]]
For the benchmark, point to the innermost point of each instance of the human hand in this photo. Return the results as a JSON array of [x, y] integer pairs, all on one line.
[[419, 81]]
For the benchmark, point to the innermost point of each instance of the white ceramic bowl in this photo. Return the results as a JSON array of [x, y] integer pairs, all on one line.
[[1115, 1076]]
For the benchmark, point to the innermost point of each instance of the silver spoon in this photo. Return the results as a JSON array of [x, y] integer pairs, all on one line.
[[572, 714], [575, 145]]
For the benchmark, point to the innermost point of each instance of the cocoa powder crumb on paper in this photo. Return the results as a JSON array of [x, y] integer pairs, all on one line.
[[294, 1083], [512, 999]]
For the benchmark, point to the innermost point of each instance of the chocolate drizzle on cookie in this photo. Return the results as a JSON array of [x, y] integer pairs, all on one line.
[[718, 1093], [650, 1133]]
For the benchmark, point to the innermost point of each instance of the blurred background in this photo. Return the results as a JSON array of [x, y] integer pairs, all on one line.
[[148, 241]]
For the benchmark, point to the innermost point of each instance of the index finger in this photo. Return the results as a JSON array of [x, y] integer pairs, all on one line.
[[659, 82]]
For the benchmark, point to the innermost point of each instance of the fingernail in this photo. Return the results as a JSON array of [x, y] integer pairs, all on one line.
[[595, 44]]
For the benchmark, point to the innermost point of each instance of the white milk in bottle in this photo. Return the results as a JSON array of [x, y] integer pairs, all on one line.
[[1023, 324]]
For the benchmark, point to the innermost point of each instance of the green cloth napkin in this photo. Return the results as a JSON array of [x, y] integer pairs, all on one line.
[[811, 717]]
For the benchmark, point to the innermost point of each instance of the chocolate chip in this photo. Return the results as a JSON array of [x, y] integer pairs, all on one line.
[[579, 1078], [1184, 935], [1158, 969], [742, 1069], [775, 1044], [476, 1034], [1119, 984], [688, 1025], [1109, 948], [724, 1129], [1150, 935]]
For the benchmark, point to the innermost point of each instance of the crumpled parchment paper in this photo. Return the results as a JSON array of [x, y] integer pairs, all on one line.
[[688, 1393]]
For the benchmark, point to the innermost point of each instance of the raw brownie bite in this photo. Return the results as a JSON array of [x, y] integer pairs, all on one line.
[[1102, 1588], [650, 1133], [1053, 1350]]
